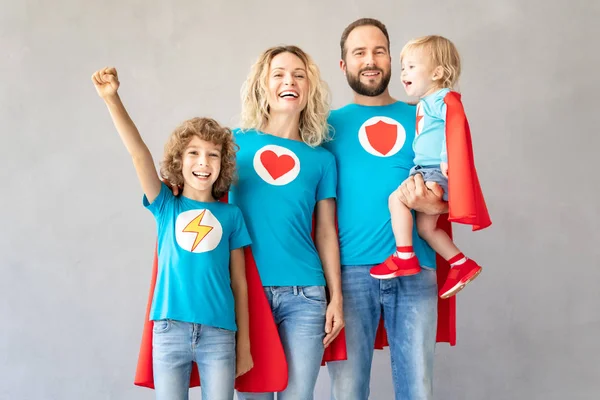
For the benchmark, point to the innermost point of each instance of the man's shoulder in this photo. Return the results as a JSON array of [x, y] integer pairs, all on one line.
[[338, 113]]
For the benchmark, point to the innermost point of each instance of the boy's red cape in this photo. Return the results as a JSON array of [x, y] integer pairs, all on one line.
[[466, 206], [270, 367]]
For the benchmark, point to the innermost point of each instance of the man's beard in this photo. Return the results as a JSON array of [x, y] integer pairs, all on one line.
[[364, 90]]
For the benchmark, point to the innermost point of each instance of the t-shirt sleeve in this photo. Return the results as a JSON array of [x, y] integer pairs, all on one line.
[[328, 184], [158, 206], [239, 236]]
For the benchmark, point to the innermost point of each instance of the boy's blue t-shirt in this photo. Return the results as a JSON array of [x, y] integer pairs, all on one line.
[[280, 182], [195, 239], [373, 149]]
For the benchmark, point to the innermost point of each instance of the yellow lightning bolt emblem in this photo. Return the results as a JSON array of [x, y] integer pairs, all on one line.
[[200, 230]]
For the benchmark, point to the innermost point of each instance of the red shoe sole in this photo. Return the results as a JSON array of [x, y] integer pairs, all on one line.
[[461, 284]]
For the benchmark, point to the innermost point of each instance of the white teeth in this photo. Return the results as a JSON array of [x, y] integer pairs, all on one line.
[[201, 174], [287, 93]]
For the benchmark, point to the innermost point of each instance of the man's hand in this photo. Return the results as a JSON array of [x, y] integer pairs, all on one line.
[[334, 320], [425, 198]]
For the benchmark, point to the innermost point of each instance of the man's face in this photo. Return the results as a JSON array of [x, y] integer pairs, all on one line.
[[367, 64]]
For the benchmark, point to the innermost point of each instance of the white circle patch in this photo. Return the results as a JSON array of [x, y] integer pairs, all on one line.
[[382, 136], [276, 165], [198, 231]]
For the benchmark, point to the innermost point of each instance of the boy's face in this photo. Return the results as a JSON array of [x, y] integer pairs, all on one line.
[[367, 63], [419, 76], [201, 164]]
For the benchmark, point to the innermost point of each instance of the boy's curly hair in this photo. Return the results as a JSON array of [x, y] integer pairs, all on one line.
[[206, 129]]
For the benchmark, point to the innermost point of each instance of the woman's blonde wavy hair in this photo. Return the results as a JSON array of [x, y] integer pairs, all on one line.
[[255, 108], [206, 129], [442, 52]]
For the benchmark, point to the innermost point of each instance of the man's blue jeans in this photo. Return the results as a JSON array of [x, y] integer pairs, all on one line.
[[409, 306]]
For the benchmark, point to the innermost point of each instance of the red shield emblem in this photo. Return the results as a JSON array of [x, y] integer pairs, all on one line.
[[419, 120], [382, 136]]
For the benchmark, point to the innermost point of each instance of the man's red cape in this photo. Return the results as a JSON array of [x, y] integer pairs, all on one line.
[[465, 198]]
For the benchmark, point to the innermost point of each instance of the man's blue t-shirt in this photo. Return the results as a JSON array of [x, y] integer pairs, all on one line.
[[373, 149]]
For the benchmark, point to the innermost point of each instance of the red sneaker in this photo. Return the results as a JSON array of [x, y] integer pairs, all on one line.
[[458, 277], [394, 266]]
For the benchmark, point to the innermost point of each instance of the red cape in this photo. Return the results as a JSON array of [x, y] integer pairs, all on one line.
[[270, 366], [446, 323], [465, 198], [269, 373]]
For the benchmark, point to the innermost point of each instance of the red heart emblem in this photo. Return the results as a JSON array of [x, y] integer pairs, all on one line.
[[275, 165], [382, 136]]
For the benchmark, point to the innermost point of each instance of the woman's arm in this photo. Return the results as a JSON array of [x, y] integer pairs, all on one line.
[[326, 241]]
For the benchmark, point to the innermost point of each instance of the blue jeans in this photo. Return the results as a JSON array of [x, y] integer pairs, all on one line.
[[409, 306], [299, 313], [176, 344]]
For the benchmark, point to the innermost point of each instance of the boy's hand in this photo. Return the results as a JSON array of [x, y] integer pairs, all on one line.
[[106, 82], [444, 168], [244, 361]]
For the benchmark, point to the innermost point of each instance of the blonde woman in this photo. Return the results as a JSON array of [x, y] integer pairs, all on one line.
[[285, 178]]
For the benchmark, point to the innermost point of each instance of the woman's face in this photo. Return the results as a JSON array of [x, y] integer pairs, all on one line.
[[287, 84]]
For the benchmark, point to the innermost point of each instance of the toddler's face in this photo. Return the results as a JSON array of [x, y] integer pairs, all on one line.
[[418, 74]]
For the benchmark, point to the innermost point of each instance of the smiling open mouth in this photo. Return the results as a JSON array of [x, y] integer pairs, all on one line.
[[288, 94], [370, 74]]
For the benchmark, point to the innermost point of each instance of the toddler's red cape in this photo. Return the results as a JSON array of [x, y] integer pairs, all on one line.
[[466, 204]]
